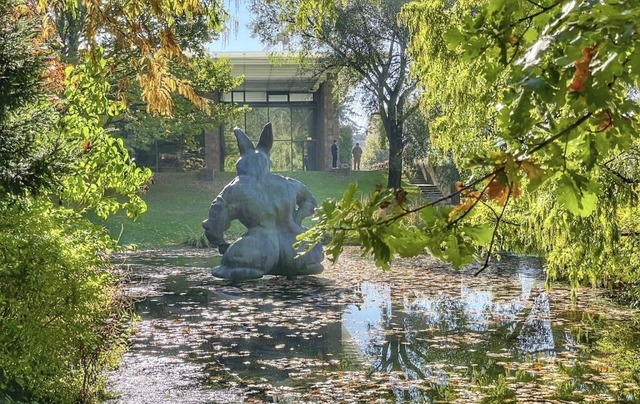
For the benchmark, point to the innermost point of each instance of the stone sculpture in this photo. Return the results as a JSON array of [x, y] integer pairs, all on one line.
[[272, 208]]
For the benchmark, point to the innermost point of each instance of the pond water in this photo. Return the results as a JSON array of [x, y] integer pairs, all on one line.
[[421, 332]]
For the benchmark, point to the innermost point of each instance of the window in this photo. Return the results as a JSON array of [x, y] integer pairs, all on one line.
[[278, 97], [255, 96], [238, 96], [300, 97], [293, 118]]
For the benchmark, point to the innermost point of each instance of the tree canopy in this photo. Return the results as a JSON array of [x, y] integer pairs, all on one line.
[[144, 37], [538, 103]]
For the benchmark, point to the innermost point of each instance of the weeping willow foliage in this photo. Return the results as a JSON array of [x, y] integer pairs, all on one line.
[[537, 104], [455, 95], [480, 63], [600, 249]]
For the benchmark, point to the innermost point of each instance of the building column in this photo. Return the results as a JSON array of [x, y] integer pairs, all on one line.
[[328, 123], [212, 149], [211, 155]]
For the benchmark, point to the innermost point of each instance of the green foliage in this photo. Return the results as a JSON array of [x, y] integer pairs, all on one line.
[[20, 69], [383, 225], [376, 149], [143, 38], [27, 162], [537, 103], [141, 130], [61, 325], [105, 179], [345, 143], [61, 322], [559, 76], [417, 146]]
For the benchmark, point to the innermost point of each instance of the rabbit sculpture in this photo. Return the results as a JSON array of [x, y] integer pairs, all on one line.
[[272, 208]]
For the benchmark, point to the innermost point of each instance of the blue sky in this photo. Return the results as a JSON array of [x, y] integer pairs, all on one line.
[[241, 39]]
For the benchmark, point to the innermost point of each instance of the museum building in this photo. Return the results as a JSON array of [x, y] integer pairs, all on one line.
[[298, 103]]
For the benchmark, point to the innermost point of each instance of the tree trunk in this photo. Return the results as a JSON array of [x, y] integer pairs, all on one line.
[[393, 128], [71, 28]]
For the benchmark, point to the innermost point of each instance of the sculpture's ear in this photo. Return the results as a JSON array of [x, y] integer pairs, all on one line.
[[244, 143], [266, 139]]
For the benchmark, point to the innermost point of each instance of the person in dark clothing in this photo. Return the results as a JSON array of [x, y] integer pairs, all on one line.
[[334, 154], [357, 155]]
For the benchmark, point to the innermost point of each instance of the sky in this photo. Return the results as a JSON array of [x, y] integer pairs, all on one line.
[[241, 39]]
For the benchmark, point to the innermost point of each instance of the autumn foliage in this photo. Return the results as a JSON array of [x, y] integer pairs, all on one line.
[[144, 33], [582, 70]]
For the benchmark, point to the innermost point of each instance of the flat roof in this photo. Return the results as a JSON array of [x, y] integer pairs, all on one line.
[[265, 71]]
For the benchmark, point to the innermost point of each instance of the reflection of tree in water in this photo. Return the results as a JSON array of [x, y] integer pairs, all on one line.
[[536, 334], [426, 336], [418, 332]]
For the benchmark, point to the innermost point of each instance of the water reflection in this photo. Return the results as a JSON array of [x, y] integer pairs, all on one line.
[[419, 328], [472, 319]]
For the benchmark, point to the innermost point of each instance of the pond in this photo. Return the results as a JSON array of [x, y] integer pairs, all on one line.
[[421, 332]]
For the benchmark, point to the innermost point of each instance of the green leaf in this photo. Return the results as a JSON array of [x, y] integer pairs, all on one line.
[[348, 195], [480, 234], [577, 194], [454, 38], [407, 242], [457, 252], [531, 35]]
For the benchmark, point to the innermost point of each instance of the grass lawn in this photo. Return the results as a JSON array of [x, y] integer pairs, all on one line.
[[179, 202]]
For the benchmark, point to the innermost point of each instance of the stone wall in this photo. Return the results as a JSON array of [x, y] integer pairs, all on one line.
[[212, 154], [328, 125]]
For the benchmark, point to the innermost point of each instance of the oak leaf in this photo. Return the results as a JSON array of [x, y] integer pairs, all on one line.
[[582, 70], [533, 170], [465, 206]]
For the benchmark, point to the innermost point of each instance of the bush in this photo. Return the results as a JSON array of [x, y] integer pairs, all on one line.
[[61, 322]]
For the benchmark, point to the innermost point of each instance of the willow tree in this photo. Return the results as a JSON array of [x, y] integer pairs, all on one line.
[[554, 85], [364, 41], [538, 102]]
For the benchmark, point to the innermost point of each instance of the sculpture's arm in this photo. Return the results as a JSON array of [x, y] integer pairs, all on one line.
[[218, 222], [306, 203]]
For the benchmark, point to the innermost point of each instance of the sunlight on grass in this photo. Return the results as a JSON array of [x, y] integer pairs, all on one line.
[[179, 202]]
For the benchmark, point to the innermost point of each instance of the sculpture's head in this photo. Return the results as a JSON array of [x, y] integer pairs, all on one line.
[[254, 161]]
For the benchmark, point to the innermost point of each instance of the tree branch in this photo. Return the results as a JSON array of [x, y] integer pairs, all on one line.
[[563, 132], [495, 232]]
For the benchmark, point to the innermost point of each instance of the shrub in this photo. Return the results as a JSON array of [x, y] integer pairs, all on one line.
[[61, 322]]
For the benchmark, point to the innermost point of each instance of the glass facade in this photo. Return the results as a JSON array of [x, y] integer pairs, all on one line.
[[293, 119]]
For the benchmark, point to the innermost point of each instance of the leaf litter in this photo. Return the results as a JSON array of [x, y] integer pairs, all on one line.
[[420, 332]]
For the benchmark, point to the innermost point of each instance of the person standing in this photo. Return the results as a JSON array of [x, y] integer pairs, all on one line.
[[334, 154], [357, 154]]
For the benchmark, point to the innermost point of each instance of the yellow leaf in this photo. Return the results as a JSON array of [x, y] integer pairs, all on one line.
[[533, 170], [463, 207]]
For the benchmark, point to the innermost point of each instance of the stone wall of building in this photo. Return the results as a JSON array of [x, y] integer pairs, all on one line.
[[328, 123], [211, 155], [212, 152]]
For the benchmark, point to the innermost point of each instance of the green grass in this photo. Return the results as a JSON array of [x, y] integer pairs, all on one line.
[[179, 202]]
